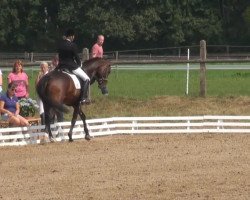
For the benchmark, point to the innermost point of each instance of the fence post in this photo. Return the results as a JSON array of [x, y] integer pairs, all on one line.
[[116, 55], [85, 54], [187, 84], [227, 47], [31, 57], [203, 55], [26, 55]]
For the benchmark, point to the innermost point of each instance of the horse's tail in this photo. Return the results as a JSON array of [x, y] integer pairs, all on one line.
[[41, 89]]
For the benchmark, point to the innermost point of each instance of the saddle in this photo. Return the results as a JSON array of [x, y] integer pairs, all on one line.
[[77, 81]]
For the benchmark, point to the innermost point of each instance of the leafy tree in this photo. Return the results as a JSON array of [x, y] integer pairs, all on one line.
[[36, 25], [19, 23], [234, 17]]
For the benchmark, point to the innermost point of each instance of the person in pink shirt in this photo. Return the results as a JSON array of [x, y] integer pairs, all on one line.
[[20, 79], [97, 50]]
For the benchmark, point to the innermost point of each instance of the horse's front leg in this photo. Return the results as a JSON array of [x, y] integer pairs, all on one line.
[[83, 118], [73, 121]]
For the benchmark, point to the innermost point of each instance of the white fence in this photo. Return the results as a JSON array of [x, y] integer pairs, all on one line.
[[128, 125]]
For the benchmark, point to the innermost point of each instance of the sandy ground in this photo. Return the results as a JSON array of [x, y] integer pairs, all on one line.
[[193, 166]]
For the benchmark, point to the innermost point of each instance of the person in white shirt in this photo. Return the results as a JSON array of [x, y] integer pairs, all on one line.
[[1, 81], [44, 69]]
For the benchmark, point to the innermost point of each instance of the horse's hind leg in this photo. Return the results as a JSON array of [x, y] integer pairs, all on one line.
[[73, 121], [83, 117], [48, 119]]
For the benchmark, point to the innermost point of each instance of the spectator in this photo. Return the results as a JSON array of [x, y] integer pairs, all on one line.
[[54, 63], [44, 69], [10, 108], [1, 81], [97, 50], [20, 78]]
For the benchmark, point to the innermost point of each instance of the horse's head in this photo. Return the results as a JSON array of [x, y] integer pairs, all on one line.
[[98, 70]]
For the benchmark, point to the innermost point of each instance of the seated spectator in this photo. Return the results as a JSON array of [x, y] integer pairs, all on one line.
[[1, 81], [10, 108], [20, 78]]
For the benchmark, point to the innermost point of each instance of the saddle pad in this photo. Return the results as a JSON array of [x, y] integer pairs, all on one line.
[[75, 80]]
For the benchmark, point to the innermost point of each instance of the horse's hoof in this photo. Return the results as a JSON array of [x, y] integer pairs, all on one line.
[[71, 140], [87, 137], [52, 140], [43, 140]]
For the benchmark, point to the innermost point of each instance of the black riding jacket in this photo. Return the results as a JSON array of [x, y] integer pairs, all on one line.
[[68, 56]]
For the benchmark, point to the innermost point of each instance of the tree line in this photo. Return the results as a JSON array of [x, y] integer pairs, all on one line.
[[37, 25]]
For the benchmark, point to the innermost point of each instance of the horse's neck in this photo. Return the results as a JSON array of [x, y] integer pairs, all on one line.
[[90, 72]]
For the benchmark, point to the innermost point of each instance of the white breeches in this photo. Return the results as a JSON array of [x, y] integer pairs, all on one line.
[[79, 72]]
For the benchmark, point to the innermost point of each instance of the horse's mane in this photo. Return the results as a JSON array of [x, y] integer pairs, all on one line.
[[88, 64]]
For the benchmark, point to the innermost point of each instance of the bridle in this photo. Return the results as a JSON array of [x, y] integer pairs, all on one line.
[[103, 79]]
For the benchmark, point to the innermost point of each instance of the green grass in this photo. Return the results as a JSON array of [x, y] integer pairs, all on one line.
[[140, 84], [228, 83], [146, 84], [162, 93]]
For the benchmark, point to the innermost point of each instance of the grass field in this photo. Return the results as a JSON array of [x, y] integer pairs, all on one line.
[[162, 93], [144, 84], [147, 84]]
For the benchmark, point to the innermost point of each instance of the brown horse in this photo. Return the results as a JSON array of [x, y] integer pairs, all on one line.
[[57, 89]]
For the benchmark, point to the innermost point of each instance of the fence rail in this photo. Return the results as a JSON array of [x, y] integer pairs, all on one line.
[[214, 52], [128, 125]]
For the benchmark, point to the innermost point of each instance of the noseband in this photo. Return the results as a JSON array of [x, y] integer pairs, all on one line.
[[102, 79]]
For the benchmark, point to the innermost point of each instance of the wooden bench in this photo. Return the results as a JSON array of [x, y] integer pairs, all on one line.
[[32, 120], [4, 124]]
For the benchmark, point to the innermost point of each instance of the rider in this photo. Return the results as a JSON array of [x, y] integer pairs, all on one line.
[[69, 59]]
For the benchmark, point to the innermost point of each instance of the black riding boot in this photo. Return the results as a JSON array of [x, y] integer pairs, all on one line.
[[85, 95]]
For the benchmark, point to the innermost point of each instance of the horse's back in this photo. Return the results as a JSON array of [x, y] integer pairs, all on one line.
[[55, 78]]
